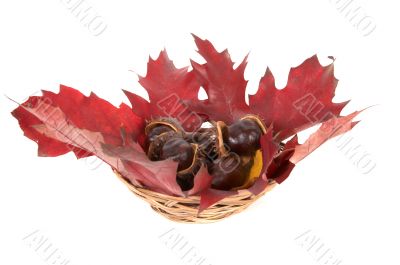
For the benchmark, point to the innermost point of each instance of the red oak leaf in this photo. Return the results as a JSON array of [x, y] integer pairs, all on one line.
[[305, 101], [46, 146], [281, 167], [329, 129], [210, 197], [167, 87], [157, 175], [202, 181], [224, 85], [55, 125], [95, 114], [282, 172]]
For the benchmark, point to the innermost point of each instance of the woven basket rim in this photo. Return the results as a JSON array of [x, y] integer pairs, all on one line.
[[242, 194], [186, 209]]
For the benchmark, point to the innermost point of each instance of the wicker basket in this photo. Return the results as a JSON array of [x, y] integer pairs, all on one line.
[[185, 209]]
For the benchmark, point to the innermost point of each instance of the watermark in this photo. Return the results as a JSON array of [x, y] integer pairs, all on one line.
[[356, 153], [356, 16], [84, 12], [49, 253], [321, 253], [50, 115], [186, 252], [173, 106], [312, 109]]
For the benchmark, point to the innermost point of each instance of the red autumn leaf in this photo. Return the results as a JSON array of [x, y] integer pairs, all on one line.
[[90, 113], [167, 87], [210, 197], [55, 125], [281, 167], [46, 146], [224, 85], [95, 114], [158, 175], [329, 129], [305, 101], [282, 172], [202, 181]]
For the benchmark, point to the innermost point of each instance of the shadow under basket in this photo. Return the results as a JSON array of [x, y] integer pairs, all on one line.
[[185, 209]]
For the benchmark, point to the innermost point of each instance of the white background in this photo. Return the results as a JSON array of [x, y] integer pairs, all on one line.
[[92, 218]]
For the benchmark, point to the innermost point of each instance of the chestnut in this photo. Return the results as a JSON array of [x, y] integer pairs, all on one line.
[[230, 171], [243, 137], [180, 151]]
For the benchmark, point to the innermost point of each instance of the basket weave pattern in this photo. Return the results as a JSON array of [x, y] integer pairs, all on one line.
[[185, 209]]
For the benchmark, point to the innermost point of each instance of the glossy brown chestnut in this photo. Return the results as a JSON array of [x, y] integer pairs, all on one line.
[[180, 151], [244, 137]]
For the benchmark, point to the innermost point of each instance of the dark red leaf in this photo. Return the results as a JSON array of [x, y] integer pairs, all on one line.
[[46, 146], [224, 85], [282, 157], [55, 125], [291, 144], [210, 197], [157, 175], [95, 114], [305, 101], [90, 113], [283, 171], [167, 87], [202, 181], [281, 167]]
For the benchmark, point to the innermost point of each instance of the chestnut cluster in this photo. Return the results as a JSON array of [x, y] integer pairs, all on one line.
[[231, 153]]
